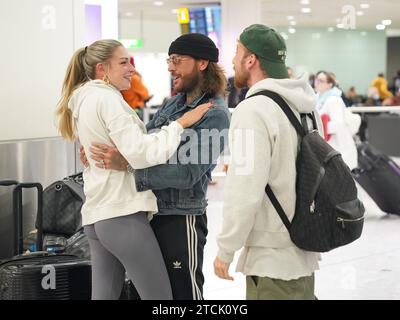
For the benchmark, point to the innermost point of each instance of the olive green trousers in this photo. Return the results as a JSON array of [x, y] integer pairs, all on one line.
[[264, 288]]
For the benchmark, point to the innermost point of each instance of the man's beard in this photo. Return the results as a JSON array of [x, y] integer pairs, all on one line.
[[241, 79], [191, 82]]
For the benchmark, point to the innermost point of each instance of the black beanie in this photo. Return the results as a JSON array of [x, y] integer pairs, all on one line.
[[196, 45]]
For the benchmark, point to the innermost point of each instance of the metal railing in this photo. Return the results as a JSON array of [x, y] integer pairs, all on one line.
[[375, 109]]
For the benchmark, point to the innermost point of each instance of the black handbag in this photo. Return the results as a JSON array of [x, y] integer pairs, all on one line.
[[62, 203]]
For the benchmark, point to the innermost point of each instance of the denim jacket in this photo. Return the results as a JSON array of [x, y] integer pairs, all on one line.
[[181, 184]]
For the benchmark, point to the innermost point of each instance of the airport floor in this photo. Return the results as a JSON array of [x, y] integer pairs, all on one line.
[[368, 269]]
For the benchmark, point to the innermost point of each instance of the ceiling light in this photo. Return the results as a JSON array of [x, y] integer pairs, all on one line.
[[290, 17], [292, 30], [174, 11], [129, 14], [293, 23], [331, 29], [387, 22], [306, 10], [360, 13], [305, 2], [380, 27], [158, 3], [340, 26], [364, 5]]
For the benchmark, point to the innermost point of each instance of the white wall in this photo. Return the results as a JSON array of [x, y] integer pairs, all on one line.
[[236, 15], [355, 58], [156, 35], [150, 59], [38, 38]]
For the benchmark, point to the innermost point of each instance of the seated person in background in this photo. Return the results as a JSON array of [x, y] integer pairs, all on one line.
[[381, 84], [396, 99], [373, 97], [351, 93], [351, 96], [393, 101], [138, 94], [354, 98]]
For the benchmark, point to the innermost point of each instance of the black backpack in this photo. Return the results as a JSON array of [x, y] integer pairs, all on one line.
[[328, 213]]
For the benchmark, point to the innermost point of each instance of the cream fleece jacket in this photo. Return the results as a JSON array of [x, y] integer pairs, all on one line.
[[101, 115], [267, 155]]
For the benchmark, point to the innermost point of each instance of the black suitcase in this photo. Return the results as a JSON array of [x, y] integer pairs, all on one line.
[[41, 275], [379, 176]]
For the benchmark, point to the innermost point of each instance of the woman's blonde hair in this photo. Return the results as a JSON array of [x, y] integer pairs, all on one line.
[[81, 69]]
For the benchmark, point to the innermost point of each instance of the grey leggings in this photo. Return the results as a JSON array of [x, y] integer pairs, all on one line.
[[126, 244]]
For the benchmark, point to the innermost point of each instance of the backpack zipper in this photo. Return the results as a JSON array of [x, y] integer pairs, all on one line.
[[312, 207], [348, 220]]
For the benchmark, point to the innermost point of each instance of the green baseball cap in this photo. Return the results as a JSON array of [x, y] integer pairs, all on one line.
[[270, 48]]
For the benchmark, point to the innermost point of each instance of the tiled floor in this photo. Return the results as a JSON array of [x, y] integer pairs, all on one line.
[[369, 268]]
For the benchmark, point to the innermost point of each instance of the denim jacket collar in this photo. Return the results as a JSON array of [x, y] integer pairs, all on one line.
[[182, 100]]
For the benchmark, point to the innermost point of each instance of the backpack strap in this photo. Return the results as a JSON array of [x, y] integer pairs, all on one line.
[[300, 130], [277, 207]]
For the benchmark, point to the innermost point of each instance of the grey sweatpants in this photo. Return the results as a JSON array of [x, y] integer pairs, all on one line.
[[126, 244]]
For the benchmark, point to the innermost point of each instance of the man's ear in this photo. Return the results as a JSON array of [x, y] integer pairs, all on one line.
[[203, 64], [252, 61]]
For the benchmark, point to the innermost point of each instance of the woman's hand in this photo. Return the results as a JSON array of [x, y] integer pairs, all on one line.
[[193, 116]]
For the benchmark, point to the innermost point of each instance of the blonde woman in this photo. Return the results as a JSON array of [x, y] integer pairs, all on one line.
[[115, 216]]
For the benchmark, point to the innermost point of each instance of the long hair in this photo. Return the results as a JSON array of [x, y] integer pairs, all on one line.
[[214, 80], [81, 69]]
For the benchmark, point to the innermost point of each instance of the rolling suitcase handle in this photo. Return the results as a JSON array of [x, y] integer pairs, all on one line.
[[7, 183], [18, 216]]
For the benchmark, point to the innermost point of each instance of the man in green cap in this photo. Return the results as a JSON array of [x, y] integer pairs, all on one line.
[[263, 145]]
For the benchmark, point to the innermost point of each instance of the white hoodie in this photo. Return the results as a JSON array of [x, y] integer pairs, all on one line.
[[101, 115], [268, 156], [342, 125]]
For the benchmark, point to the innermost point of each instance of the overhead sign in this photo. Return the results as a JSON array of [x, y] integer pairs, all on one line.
[[132, 43], [183, 15]]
